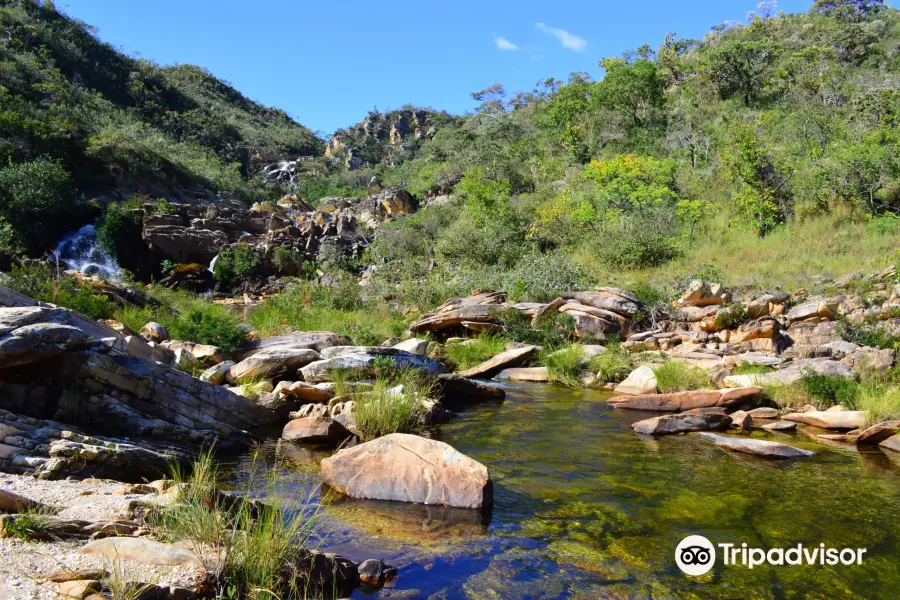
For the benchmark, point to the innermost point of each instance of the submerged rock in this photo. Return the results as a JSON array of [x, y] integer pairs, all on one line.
[[409, 468], [780, 426], [763, 448], [315, 430], [533, 374], [669, 424]]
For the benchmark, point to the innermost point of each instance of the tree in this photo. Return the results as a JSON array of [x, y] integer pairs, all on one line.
[[635, 89], [851, 10], [631, 183], [737, 67], [763, 197]]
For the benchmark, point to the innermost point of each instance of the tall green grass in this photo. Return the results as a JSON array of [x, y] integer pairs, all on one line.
[[309, 307], [249, 549], [564, 366], [614, 365], [674, 376], [385, 409], [466, 355]]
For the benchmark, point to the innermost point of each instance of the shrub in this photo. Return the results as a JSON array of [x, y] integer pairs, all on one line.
[[640, 240], [541, 277], [867, 334], [37, 281], [614, 365], [208, 324], [466, 355], [828, 390], [564, 366], [37, 201], [236, 264], [655, 302], [555, 331], [674, 376], [730, 316], [119, 232]]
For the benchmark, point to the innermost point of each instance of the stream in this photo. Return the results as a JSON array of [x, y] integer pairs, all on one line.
[[585, 508]]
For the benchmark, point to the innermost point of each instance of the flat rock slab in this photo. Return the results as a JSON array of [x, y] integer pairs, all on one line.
[[509, 358], [892, 443], [763, 412], [363, 364], [457, 392], [878, 433], [669, 424], [142, 550], [534, 374], [315, 430], [683, 401], [780, 426], [845, 419], [763, 448], [409, 468], [640, 381]]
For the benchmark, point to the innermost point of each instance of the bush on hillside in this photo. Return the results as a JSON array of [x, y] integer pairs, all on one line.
[[37, 202]]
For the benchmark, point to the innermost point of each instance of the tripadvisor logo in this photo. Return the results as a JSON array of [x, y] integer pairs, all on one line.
[[696, 555]]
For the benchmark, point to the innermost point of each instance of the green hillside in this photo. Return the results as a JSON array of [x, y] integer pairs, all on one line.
[[91, 121], [767, 151]]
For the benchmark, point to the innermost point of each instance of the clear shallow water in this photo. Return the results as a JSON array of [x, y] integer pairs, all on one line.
[[585, 508]]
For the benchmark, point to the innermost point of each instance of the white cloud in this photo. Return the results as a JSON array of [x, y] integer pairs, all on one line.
[[504, 44], [568, 40]]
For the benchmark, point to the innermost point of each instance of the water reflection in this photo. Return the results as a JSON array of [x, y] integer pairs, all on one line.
[[584, 508]]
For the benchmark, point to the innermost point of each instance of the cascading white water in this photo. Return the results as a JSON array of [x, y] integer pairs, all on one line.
[[80, 250]]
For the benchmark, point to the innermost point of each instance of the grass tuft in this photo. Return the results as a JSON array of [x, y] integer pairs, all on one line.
[[564, 366], [389, 408], [674, 376], [466, 355]]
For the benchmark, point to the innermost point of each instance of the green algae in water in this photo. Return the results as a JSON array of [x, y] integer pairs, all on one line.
[[584, 508]]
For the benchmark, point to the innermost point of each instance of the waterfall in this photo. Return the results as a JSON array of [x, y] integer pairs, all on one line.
[[80, 250], [212, 264]]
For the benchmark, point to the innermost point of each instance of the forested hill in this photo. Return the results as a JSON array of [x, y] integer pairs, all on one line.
[[117, 122], [770, 145]]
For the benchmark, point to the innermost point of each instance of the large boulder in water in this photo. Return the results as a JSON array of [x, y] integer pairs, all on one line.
[[668, 424], [409, 468]]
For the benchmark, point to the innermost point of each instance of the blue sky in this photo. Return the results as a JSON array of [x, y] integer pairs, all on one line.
[[328, 62]]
